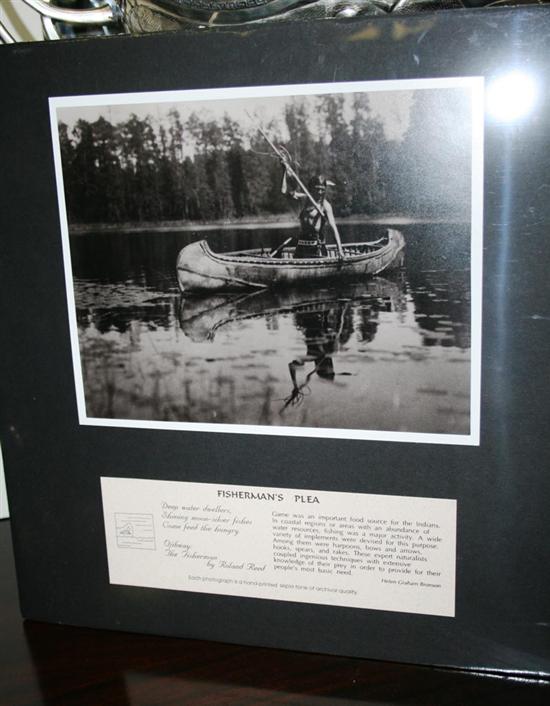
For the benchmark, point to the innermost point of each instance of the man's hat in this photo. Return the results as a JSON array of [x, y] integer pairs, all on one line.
[[319, 180]]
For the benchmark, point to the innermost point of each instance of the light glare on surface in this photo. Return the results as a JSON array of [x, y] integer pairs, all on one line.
[[511, 96]]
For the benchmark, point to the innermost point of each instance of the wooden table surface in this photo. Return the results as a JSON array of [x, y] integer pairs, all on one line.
[[57, 666]]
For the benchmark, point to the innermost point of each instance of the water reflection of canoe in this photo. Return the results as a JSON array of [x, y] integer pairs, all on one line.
[[198, 268], [201, 317]]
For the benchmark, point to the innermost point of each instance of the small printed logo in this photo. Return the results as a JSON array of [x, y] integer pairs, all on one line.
[[134, 530]]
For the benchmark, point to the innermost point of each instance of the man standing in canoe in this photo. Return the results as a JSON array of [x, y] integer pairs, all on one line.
[[313, 221], [315, 214]]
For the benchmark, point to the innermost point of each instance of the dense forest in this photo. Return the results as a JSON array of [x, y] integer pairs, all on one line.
[[201, 168]]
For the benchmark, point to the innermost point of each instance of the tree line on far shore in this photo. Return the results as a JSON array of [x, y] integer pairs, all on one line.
[[204, 169]]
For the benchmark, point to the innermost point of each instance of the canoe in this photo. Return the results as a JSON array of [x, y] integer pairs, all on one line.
[[199, 268]]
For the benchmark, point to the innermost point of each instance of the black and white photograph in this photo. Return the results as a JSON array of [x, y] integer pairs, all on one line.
[[301, 260]]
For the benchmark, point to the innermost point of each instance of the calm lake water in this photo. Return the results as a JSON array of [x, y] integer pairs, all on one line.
[[390, 353]]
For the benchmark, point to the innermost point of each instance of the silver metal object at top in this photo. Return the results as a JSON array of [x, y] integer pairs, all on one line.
[[104, 14], [347, 11], [68, 18]]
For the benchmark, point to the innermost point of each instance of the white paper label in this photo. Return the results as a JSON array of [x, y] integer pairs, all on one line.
[[381, 552]]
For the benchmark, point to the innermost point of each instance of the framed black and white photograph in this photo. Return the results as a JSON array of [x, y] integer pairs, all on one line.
[[277, 351], [301, 260]]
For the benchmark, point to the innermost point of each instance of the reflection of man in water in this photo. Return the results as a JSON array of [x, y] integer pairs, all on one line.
[[325, 329]]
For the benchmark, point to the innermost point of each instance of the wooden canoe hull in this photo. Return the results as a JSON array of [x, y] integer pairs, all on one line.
[[198, 268]]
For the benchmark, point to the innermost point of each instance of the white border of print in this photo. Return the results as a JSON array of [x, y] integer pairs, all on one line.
[[476, 85]]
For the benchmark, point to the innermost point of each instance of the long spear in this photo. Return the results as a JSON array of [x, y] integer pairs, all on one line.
[[301, 184]]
